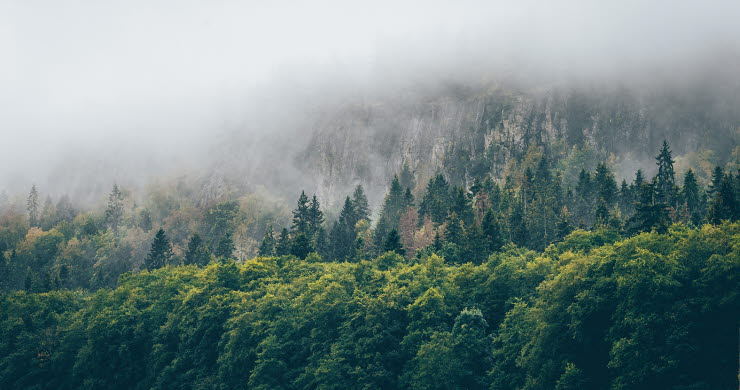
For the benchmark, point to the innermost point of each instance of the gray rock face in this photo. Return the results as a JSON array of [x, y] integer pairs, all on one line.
[[470, 133]]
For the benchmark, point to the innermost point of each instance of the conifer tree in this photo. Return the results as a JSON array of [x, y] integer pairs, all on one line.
[[665, 180], [724, 205], [360, 203], [393, 243], [717, 175], [114, 210], [283, 243], [32, 206], [492, 231], [435, 201], [606, 186], [198, 252], [160, 253], [691, 197], [267, 246], [406, 177], [453, 230], [301, 246], [564, 227], [315, 215], [301, 215], [226, 247]]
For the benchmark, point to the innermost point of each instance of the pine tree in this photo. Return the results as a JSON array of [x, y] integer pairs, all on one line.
[[315, 215], [691, 197], [300, 246], [301, 215], [665, 180], [724, 206], [393, 243], [454, 230], [114, 210], [343, 234], [394, 205], [492, 231], [606, 186], [160, 253], [283, 244], [32, 205], [717, 175], [267, 246], [225, 248], [564, 227], [198, 252], [436, 200], [406, 178], [360, 203], [460, 205], [601, 214], [517, 225], [649, 214]]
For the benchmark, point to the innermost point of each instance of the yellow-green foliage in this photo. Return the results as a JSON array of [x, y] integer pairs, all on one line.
[[652, 311]]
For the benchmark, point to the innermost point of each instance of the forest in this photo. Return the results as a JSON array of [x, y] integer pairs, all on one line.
[[522, 283]]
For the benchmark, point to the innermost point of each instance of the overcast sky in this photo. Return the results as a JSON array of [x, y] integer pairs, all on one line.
[[110, 75]]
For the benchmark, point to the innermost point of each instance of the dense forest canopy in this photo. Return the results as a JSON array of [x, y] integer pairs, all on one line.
[[526, 282]]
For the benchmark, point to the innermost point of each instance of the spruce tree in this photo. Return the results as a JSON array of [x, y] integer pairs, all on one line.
[[665, 180], [436, 200], [691, 197], [198, 252], [283, 243], [267, 246], [301, 215], [32, 206], [492, 231], [393, 243], [606, 186], [160, 253], [226, 247], [315, 215], [360, 203], [301, 246], [717, 175], [454, 230], [724, 206], [406, 177], [114, 210]]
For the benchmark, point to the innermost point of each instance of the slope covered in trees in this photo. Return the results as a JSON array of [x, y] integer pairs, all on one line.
[[593, 311]]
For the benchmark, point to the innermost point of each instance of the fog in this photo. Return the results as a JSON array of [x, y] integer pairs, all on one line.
[[93, 92]]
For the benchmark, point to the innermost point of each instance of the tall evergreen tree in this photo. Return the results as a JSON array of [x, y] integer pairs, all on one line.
[[360, 203], [301, 246], [606, 186], [315, 215], [724, 206], [301, 215], [436, 200], [198, 252], [267, 246], [283, 243], [691, 197], [393, 243], [665, 180], [717, 175], [160, 253], [225, 248], [406, 177], [492, 231], [114, 210], [343, 233], [32, 206]]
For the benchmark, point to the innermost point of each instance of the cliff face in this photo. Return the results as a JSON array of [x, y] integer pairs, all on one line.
[[468, 134]]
